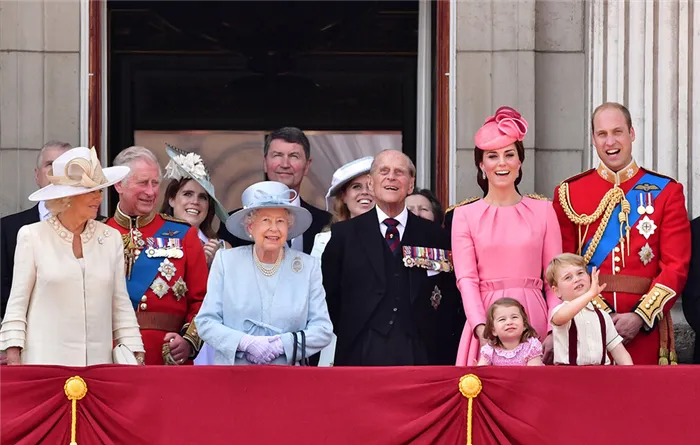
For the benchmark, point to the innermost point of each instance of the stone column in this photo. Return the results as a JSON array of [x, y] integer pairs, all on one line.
[[39, 88], [495, 66], [646, 55], [531, 55]]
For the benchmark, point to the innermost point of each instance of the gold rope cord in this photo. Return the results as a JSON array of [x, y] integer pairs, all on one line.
[[470, 386], [75, 389], [607, 205]]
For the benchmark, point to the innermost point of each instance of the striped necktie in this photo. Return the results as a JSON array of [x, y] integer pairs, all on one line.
[[392, 234]]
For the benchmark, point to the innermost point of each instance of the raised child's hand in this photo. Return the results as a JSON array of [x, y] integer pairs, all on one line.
[[596, 288]]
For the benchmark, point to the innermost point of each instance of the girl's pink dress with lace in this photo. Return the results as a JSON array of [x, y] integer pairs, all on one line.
[[523, 353]]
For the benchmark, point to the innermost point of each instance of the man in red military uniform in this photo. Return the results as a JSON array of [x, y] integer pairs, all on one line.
[[632, 224], [165, 264]]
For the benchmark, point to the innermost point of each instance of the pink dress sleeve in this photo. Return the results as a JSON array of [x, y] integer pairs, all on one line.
[[534, 351], [487, 353], [552, 248], [466, 272]]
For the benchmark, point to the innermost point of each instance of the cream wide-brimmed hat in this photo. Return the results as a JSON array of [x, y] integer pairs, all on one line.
[[190, 165], [269, 195], [76, 172], [347, 173]]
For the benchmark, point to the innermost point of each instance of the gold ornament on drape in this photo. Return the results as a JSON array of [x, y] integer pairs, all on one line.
[[75, 389], [470, 386]]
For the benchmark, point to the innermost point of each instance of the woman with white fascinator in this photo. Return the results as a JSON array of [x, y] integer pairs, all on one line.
[[265, 302], [348, 196], [69, 304]]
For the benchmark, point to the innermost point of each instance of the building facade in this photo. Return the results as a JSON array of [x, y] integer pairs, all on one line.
[[554, 60]]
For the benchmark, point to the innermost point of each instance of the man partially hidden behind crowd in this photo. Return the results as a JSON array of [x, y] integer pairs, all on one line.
[[384, 307], [632, 224], [287, 159], [166, 270]]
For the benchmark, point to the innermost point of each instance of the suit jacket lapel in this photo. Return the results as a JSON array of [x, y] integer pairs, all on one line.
[[411, 238], [372, 242]]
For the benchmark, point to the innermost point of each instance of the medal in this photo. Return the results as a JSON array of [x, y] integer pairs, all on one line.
[[646, 227], [435, 298], [650, 204], [641, 208], [167, 269], [159, 287], [179, 288], [646, 254]]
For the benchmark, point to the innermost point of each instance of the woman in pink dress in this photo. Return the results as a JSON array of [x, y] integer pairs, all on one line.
[[502, 243]]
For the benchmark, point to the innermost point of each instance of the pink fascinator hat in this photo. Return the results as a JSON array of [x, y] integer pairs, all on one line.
[[500, 130]]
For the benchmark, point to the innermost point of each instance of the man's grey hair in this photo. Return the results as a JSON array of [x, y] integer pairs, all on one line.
[[135, 153], [65, 146], [411, 165]]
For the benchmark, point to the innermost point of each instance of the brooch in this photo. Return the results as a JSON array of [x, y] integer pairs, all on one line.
[[646, 254], [297, 265], [159, 287], [646, 227], [435, 298], [179, 288], [167, 269]]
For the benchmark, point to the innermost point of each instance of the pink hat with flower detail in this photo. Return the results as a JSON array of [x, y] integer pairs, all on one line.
[[500, 130]]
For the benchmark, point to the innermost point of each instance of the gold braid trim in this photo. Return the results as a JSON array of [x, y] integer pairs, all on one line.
[[192, 336], [465, 202], [607, 205], [537, 196]]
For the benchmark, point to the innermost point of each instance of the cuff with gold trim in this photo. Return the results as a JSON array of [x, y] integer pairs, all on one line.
[[600, 303], [190, 334], [650, 307]]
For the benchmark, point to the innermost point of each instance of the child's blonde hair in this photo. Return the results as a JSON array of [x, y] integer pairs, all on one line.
[[564, 259], [528, 331]]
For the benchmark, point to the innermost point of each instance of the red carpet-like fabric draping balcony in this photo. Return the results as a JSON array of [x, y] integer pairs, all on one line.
[[354, 406]]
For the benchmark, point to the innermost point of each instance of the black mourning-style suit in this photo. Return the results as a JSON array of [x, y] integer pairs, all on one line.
[[691, 294], [9, 226], [319, 220], [380, 309]]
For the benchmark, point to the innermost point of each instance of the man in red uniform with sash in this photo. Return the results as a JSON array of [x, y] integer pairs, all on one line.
[[166, 270], [632, 224]]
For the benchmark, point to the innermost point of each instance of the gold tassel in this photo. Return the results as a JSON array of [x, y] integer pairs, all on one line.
[[470, 387], [75, 389]]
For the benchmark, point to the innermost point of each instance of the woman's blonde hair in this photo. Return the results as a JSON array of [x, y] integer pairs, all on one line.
[[528, 331], [58, 205]]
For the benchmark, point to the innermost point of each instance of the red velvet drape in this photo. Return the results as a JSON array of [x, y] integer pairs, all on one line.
[[281, 405]]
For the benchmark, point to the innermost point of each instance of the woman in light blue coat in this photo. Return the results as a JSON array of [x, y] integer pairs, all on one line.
[[260, 296]]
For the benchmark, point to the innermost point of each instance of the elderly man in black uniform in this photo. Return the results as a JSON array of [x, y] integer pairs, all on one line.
[[383, 272]]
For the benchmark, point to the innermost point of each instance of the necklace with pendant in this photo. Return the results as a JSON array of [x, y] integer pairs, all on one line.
[[266, 270]]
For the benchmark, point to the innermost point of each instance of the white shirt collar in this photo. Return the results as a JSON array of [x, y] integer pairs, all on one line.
[[297, 201], [44, 213], [202, 237], [402, 217]]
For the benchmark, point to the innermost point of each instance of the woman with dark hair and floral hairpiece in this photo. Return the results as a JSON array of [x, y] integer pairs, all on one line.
[[502, 243], [190, 197]]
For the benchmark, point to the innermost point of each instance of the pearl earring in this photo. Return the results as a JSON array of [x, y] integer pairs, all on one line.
[[483, 174]]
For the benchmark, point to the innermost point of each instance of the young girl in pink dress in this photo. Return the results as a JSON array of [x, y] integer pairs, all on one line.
[[501, 244], [511, 339]]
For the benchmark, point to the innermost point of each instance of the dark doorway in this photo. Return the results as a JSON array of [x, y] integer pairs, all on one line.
[[329, 66]]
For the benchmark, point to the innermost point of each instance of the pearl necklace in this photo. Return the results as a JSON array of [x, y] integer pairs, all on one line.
[[265, 270]]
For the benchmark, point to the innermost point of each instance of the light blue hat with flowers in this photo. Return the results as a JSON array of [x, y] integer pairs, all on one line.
[[269, 195]]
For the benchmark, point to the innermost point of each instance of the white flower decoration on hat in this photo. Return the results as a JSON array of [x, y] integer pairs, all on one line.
[[186, 166]]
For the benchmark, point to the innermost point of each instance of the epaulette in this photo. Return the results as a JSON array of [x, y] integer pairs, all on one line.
[[167, 217], [537, 196], [580, 175], [465, 202], [659, 174]]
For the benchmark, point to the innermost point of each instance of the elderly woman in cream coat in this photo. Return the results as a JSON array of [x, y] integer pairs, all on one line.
[[68, 303], [260, 296]]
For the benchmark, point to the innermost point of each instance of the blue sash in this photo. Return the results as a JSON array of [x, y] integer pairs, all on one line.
[[611, 234], [145, 269]]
